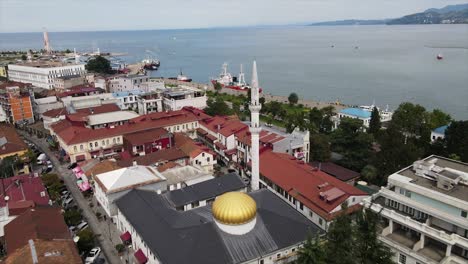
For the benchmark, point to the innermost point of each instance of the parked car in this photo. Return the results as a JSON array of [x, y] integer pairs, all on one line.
[[93, 255], [67, 202], [72, 229], [46, 170], [72, 166], [82, 225], [41, 158]]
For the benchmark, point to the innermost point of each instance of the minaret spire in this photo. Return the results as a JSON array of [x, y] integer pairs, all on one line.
[[255, 128]]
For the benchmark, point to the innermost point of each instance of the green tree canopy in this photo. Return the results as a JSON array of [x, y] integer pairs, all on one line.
[[312, 252], [293, 98], [320, 147], [456, 138], [217, 86], [340, 244], [437, 118], [217, 107], [374, 124], [99, 64], [409, 119], [87, 240]]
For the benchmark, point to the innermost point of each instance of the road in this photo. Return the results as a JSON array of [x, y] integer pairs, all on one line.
[[101, 228]]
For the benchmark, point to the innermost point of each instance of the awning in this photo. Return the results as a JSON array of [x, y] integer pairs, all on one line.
[[219, 145], [230, 152], [140, 256], [84, 186], [80, 158], [108, 151], [201, 131], [125, 237], [211, 138]]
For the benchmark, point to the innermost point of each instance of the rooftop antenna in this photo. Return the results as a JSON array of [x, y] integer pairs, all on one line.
[[47, 47]]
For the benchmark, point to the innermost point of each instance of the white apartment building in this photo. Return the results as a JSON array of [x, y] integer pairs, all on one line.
[[424, 212], [43, 74], [182, 96], [149, 102], [127, 99], [127, 83]]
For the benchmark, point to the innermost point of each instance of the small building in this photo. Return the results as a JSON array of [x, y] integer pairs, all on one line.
[[128, 99], [149, 102], [63, 83], [341, 173], [10, 142], [182, 96], [145, 142], [200, 155], [424, 212], [205, 192], [109, 119], [42, 105], [363, 113], [40, 231], [263, 229], [112, 185], [43, 74], [438, 133], [157, 158]]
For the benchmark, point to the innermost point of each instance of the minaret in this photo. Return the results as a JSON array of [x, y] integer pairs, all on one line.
[[255, 128]]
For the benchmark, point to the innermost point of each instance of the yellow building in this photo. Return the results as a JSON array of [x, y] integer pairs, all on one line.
[[3, 71]]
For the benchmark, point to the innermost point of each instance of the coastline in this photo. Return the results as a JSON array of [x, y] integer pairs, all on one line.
[[268, 96]]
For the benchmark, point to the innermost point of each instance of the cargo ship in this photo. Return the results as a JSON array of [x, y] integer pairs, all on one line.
[[151, 64], [226, 80], [181, 78]]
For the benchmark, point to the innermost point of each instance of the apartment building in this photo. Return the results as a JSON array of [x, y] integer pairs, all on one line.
[[424, 211]]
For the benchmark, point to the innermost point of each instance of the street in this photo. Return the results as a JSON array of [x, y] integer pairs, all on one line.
[[105, 231]]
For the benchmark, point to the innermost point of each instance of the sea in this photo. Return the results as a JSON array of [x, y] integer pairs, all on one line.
[[355, 65]]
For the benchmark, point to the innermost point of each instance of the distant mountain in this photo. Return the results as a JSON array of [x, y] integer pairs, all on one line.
[[350, 22], [451, 14], [447, 9]]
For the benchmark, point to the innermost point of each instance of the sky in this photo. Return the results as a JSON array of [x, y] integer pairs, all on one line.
[[95, 15]]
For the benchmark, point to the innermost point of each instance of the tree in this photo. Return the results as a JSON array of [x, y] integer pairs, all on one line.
[[409, 119], [315, 120], [327, 123], [217, 107], [369, 173], [72, 217], [87, 240], [456, 138], [312, 252], [99, 64], [437, 118], [368, 249], [293, 98], [24, 57], [217, 86], [8, 166], [340, 244], [374, 124], [68, 51], [320, 147], [262, 100]]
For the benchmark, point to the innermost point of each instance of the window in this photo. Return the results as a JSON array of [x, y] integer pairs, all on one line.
[[103, 143], [81, 147], [301, 206], [402, 191], [402, 259], [278, 255], [463, 214], [261, 261], [408, 194], [75, 148], [311, 214], [113, 140], [91, 145], [293, 249], [354, 199], [208, 159], [95, 144], [320, 221]]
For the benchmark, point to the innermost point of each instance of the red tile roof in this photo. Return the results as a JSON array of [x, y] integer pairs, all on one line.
[[67, 249], [315, 189], [225, 125], [77, 90], [13, 84], [74, 134], [55, 112], [140, 138], [266, 137], [39, 223], [337, 171], [189, 146], [23, 191], [105, 108]]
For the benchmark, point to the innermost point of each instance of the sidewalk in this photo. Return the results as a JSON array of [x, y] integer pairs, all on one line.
[[106, 233]]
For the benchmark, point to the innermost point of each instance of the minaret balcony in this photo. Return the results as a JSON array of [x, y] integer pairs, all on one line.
[[255, 108], [255, 130]]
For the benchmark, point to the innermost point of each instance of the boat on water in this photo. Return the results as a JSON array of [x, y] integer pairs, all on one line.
[[440, 56], [226, 80], [181, 78], [151, 64]]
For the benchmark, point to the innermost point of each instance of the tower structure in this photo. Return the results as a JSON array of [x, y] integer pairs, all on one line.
[[47, 47], [255, 128]]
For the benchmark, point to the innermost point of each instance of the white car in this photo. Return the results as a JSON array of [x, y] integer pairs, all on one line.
[[92, 255], [82, 225]]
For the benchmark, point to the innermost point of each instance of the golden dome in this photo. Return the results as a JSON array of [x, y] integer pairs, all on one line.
[[234, 208]]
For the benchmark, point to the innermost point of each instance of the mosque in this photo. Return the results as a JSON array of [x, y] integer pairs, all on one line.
[[235, 227]]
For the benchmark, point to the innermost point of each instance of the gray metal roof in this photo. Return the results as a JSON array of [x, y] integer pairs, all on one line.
[[205, 190], [193, 237]]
